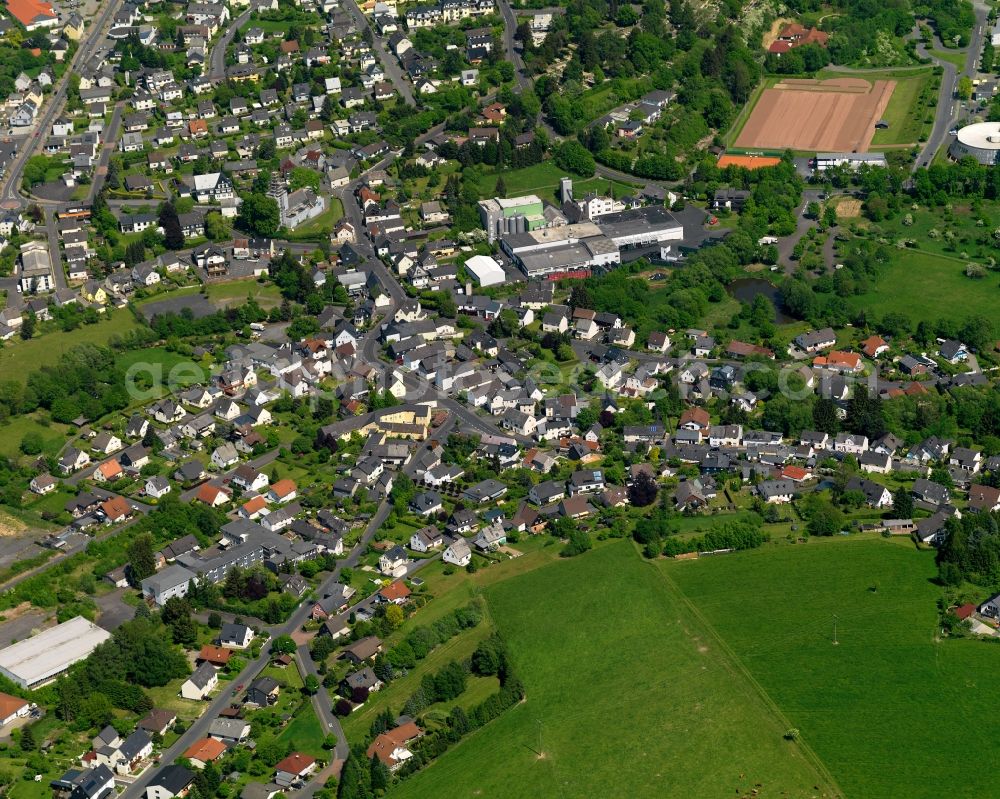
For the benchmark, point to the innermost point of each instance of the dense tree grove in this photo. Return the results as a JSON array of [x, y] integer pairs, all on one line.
[[731, 535], [139, 655], [83, 382], [971, 550]]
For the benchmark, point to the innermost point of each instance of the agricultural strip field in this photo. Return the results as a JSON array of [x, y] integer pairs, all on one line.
[[837, 114], [868, 704], [627, 694]]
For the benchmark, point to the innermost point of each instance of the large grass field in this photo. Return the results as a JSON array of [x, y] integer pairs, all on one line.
[[925, 286], [14, 429], [18, 358], [235, 292], [869, 705], [906, 114], [627, 694]]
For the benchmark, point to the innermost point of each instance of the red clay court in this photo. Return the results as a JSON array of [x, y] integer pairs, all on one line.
[[836, 115]]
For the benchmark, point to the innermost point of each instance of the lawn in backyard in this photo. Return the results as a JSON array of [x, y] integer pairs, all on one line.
[[19, 358], [626, 695], [322, 225], [860, 704], [304, 733]]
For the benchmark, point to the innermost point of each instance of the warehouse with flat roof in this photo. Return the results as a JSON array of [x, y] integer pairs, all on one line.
[[485, 270], [38, 660]]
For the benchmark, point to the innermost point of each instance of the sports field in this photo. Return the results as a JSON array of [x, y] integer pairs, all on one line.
[[889, 709], [627, 695], [834, 115]]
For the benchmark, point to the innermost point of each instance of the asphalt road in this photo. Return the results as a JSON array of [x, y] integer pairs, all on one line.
[[92, 37], [107, 150], [513, 54], [948, 107], [389, 62], [217, 65], [321, 701]]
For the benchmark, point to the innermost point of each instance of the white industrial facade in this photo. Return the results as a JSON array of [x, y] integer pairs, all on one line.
[[43, 657], [485, 270]]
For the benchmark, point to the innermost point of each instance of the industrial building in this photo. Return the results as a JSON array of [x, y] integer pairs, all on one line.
[[485, 270], [565, 251], [517, 215], [641, 227], [38, 660], [981, 141], [826, 161], [576, 250]]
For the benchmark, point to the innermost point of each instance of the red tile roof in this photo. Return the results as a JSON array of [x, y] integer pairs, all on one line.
[[9, 705], [283, 487], [871, 345], [208, 493], [394, 591], [116, 508], [216, 655], [206, 750], [27, 11], [295, 763]]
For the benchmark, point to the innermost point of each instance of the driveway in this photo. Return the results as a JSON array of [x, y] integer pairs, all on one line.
[[114, 611]]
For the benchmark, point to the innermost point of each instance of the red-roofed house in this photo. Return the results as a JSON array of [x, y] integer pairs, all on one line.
[[108, 471], [390, 746], [838, 361], [33, 14], [283, 491], [116, 509], [694, 419], [213, 496], [794, 35], [965, 611], [216, 655], [396, 592], [795, 473], [294, 768], [12, 707], [984, 499], [873, 346], [205, 751], [254, 508], [741, 349]]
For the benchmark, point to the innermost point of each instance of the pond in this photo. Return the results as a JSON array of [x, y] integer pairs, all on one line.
[[747, 289]]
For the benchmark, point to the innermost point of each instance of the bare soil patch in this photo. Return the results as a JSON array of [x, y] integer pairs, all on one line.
[[836, 115], [849, 209]]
